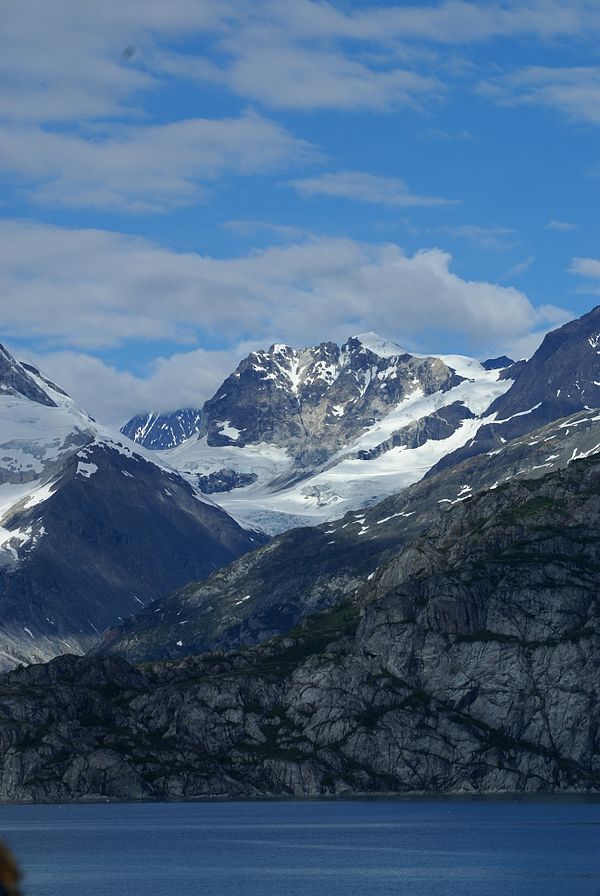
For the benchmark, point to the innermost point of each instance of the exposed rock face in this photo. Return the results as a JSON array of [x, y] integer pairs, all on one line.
[[468, 663], [321, 396], [159, 431]]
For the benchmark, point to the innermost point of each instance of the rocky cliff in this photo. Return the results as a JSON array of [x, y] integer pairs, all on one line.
[[467, 663]]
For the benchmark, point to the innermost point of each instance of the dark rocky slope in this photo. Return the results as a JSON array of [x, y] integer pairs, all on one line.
[[468, 663], [112, 542]]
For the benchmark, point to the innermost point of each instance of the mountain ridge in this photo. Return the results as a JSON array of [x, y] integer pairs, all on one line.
[[91, 525]]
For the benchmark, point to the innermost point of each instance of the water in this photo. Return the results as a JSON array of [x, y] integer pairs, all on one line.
[[413, 847]]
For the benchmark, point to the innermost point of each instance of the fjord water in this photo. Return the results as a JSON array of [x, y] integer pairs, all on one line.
[[416, 847]]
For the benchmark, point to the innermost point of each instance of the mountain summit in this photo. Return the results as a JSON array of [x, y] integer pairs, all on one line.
[[295, 436]]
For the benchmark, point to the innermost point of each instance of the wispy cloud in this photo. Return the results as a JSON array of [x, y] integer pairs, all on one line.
[[65, 61], [252, 228], [574, 91], [560, 225], [522, 266], [366, 187], [498, 238], [68, 61], [313, 55]]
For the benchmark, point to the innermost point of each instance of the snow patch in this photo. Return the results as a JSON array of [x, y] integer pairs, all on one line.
[[86, 470], [226, 429]]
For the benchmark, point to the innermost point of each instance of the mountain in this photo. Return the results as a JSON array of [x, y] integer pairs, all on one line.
[[561, 378], [91, 526], [295, 437], [265, 593], [159, 431], [467, 663]]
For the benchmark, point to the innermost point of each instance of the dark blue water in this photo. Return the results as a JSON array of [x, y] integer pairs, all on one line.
[[416, 847]]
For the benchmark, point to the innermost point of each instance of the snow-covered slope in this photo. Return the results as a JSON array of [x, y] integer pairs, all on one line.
[[91, 525], [311, 434]]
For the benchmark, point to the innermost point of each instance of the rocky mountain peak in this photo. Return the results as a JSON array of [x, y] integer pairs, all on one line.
[[320, 396]]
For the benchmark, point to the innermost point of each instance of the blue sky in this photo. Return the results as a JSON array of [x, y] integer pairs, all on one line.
[[184, 182]]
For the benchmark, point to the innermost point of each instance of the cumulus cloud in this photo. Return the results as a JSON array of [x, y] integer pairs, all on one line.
[[145, 168], [365, 187], [88, 290]]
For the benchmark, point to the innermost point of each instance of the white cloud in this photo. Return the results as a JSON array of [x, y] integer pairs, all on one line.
[[457, 22], [144, 168], [365, 188], [65, 60], [74, 61], [574, 91], [302, 54], [304, 78], [91, 289], [250, 227]]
